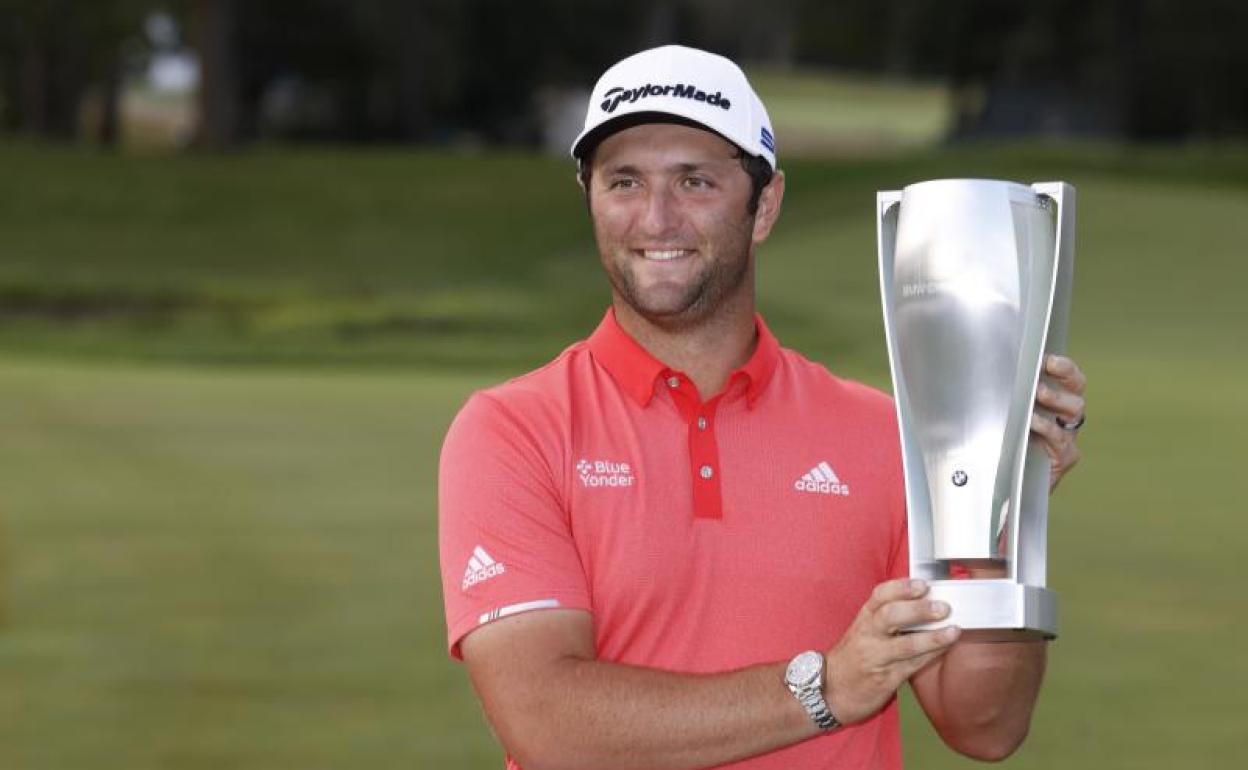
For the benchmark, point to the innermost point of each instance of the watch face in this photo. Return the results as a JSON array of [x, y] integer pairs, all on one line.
[[804, 669]]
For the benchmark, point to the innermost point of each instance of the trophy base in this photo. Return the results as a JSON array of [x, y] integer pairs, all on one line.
[[985, 608]]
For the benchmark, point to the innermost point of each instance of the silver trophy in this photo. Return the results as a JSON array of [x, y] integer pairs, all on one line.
[[975, 277]]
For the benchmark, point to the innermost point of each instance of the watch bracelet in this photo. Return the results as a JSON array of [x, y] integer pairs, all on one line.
[[817, 708]]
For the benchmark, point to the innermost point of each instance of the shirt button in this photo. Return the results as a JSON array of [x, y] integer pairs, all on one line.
[[673, 382], [701, 423], [706, 471]]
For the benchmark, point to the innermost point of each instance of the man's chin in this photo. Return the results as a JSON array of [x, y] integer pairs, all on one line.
[[676, 315]]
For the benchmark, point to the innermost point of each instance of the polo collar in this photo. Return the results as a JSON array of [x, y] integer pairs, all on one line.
[[636, 370]]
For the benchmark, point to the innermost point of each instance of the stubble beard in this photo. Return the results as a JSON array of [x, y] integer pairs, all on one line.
[[718, 284]]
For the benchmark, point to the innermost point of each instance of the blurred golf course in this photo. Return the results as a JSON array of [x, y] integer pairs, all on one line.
[[224, 381]]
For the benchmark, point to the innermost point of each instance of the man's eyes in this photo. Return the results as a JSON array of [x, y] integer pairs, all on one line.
[[689, 182]]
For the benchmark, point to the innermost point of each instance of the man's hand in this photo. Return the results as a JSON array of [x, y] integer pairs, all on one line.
[[1061, 393], [873, 659]]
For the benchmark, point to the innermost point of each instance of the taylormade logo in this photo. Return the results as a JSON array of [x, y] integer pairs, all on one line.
[[613, 97]]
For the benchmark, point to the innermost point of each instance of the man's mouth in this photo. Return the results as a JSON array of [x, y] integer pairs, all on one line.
[[664, 255]]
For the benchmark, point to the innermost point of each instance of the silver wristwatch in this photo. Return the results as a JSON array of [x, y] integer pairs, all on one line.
[[804, 676]]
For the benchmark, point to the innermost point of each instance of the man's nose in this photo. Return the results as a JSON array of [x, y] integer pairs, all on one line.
[[661, 215]]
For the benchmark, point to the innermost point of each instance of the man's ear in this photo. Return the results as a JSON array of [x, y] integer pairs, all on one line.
[[768, 207], [580, 182]]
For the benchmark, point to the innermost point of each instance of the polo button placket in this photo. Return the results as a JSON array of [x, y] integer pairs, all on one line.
[[703, 447], [704, 460]]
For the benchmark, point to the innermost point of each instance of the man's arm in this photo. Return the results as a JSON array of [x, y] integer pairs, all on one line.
[[552, 705], [980, 695]]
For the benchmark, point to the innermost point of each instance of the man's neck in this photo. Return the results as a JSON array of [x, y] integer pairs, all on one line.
[[707, 352]]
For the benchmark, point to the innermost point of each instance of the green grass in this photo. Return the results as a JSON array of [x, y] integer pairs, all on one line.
[[816, 112], [214, 569], [225, 381], [402, 257]]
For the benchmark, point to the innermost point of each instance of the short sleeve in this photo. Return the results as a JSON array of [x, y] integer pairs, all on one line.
[[504, 538]]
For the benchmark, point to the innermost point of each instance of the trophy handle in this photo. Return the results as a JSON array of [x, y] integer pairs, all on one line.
[[1063, 195], [1029, 544], [887, 222], [922, 562]]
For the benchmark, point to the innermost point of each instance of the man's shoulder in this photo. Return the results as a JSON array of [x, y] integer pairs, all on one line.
[[549, 383], [536, 398], [816, 376]]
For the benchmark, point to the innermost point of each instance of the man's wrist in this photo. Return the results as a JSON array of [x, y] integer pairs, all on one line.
[[806, 678]]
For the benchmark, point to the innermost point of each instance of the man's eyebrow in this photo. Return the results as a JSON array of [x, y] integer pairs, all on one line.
[[685, 168], [623, 168], [682, 168]]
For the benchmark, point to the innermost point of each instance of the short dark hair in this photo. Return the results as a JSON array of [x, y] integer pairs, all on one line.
[[756, 166], [760, 172]]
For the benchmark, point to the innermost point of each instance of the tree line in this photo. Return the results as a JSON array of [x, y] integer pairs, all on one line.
[[430, 70]]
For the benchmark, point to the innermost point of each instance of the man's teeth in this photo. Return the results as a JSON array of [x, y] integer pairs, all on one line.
[[664, 255]]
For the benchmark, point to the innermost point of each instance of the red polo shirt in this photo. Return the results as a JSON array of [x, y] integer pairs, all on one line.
[[703, 536]]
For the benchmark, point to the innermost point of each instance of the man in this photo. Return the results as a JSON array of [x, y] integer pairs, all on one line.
[[629, 563]]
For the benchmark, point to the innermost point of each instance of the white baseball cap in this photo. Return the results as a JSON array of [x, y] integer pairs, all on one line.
[[696, 86]]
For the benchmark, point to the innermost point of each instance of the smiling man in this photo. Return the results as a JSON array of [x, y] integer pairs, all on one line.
[[679, 544]]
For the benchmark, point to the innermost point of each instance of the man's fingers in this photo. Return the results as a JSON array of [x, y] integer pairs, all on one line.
[[907, 647], [895, 616], [1060, 444], [920, 662], [1065, 371], [1064, 403], [1052, 433], [892, 591]]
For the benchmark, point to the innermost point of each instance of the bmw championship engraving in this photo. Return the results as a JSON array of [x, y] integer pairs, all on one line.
[[975, 277]]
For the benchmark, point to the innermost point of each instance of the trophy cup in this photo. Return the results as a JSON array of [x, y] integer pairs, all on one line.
[[975, 277]]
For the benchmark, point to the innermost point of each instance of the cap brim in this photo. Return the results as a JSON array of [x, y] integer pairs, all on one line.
[[586, 143]]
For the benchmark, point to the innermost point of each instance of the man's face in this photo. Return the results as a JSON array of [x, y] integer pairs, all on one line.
[[669, 207]]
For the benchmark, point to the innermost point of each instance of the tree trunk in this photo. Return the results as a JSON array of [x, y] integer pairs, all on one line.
[[215, 36], [412, 64], [34, 87], [108, 131]]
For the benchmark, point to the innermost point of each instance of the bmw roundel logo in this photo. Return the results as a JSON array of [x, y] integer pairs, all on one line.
[[959, 478]]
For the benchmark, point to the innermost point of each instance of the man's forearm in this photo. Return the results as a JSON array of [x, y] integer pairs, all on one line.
[[985, 692], [612, 716]]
